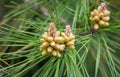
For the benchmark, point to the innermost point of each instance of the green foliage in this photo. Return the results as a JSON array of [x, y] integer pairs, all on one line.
[[96, 55]]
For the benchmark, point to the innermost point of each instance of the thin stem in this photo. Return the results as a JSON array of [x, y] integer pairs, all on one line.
[[90, 31]]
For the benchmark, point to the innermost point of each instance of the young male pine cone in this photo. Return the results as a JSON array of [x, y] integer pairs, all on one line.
[[55, 42], [100, 16], [69, 38]]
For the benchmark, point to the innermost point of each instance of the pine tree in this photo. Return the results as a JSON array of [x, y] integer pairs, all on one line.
[[87, 47]]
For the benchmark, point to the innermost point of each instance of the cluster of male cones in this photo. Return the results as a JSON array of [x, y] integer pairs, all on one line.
[[100, 16], [55, 42]]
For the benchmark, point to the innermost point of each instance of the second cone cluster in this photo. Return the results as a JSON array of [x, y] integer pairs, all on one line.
[[100, 16]]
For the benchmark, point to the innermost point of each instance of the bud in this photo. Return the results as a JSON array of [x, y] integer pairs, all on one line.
[[96, 27], [62, 45], [70, 43], [49, 49], [58, 47], [72, 47], [92, 13], [101, 22], [45, 33], [107, 18], [59, 39], [54, 53], [106, 24], [45, 36], [52, 43], [57, 33], [44, 52], [45, 44], [42, 48], [96, 18], [106, 12], [43, 40], [101, 15], [50, 39], [58, 54], [95, 12], [64, 36]]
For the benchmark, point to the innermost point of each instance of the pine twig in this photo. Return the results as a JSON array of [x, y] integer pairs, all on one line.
[[90, 31]]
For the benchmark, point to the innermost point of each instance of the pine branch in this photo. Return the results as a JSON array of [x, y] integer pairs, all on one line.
[[90, 31]]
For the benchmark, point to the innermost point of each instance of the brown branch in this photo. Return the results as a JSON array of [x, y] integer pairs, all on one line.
[[90, 31]]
